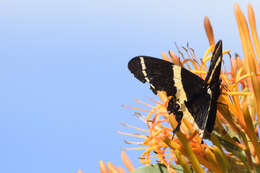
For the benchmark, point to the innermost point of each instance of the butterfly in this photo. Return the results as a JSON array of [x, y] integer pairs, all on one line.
[[190, 96]]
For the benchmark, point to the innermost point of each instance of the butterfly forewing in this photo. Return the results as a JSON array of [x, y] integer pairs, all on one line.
[[154, 71], [213, 74], [213, 82]]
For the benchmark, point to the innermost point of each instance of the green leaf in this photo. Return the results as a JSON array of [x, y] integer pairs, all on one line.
[[157, 168]]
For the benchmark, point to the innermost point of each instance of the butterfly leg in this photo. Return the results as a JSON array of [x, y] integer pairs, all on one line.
[[178, 117], [177, 128], [173, 107], [223, 104]]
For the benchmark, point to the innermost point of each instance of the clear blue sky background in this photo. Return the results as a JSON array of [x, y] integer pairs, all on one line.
[[64, 76]]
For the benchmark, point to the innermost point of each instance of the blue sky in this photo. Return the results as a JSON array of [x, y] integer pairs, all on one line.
[[64, 76]]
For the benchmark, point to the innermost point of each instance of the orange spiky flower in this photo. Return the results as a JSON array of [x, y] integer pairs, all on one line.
[[110, 168], [235, 140]]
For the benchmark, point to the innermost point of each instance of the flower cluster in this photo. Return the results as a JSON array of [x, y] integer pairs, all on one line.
[[234, 143]]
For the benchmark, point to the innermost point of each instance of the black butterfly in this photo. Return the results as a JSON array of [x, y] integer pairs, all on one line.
[[192, 97]]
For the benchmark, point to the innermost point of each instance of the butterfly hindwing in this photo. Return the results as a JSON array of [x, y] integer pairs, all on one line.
[[198, 107]]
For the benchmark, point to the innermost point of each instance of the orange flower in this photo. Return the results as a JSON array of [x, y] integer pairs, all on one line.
[[235, 140], [110, 168]]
